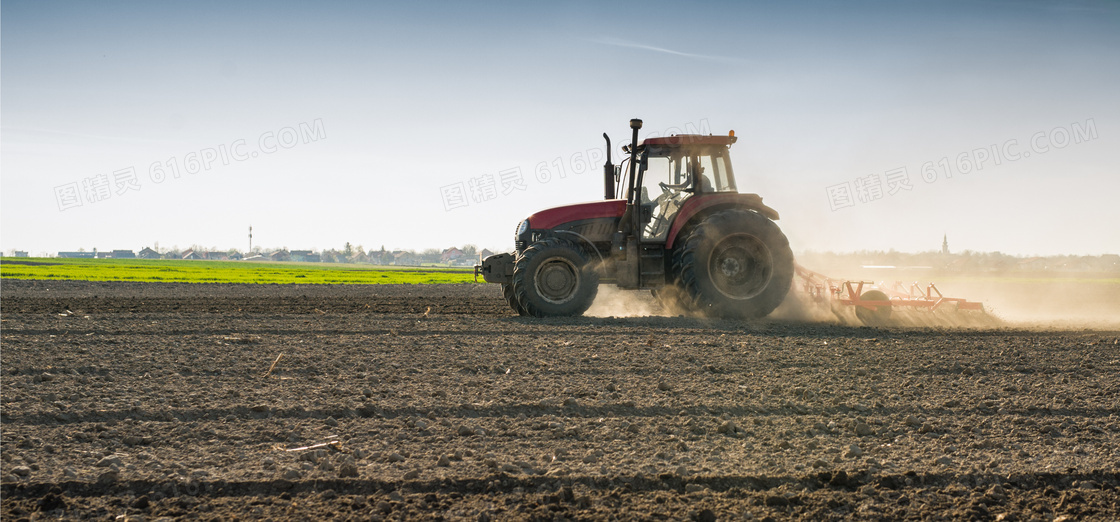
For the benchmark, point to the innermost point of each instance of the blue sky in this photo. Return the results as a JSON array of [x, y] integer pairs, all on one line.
[[401, 105]]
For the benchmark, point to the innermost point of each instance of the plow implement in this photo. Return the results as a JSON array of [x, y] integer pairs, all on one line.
[[897, 304]]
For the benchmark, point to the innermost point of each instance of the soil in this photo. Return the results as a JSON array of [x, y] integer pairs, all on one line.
[[144, 401]]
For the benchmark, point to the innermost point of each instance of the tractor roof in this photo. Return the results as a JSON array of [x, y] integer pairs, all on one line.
[[678, 140]]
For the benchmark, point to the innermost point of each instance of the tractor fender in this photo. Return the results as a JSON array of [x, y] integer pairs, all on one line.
[[696, 207]]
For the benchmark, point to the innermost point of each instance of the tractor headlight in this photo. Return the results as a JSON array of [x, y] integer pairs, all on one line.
[[520, 241]]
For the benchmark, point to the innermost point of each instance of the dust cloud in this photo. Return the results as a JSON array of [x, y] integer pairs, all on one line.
[[1049, 303], [1010, 299], [1009, 302], [798, 306], [614, 302]]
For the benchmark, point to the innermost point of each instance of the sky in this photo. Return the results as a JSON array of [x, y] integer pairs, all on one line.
[[415, 125]]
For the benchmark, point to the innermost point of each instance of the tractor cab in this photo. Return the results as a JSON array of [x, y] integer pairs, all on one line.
[[673, 169]]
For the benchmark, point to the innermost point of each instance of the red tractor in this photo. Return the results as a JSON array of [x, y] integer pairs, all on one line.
[[679, 227]]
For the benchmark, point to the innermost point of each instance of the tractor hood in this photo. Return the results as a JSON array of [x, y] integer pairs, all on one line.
[[553, 217]]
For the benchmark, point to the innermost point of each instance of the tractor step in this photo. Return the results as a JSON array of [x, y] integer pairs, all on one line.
[[651, 265]]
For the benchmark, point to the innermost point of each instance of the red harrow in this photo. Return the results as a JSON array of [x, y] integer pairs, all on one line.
[[895, 304]]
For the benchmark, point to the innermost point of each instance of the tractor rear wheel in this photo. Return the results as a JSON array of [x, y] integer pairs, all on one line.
[[735, 264], [553, 277], [511, 298]]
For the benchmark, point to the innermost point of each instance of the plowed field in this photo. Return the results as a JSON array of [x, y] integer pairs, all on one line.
[[145, 401]]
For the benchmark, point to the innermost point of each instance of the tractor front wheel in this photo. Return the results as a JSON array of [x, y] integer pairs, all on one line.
[[511, 298], [735, 264], [554, 277]]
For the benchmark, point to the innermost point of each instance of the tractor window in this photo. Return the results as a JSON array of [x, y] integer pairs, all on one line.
[[658, 169], [665, 186], [707, 174], [717, 171]]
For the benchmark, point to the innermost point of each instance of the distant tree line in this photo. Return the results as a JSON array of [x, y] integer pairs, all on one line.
[[464, 255]]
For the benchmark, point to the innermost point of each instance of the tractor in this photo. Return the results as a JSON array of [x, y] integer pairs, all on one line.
[[676, 225]]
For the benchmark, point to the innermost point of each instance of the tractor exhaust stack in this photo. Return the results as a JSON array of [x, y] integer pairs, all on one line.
[[608, 172]]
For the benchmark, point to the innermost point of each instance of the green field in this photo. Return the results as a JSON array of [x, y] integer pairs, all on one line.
[[176, 271]]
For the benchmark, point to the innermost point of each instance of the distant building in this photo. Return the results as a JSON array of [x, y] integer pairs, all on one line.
[[451, 255], [304, 256], [945, 244], [86, 255], [1034, 263], [1077, 264], [20, 253], [148, 253], [1110, 262], [404, 258], [122, 254], [192, 255], [378, 257], [280, 255]]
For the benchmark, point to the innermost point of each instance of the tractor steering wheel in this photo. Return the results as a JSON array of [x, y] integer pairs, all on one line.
[[670, 196], [665, 187]]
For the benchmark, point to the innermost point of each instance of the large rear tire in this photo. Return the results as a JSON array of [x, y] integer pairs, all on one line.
[[553, 277], [735, 264]]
